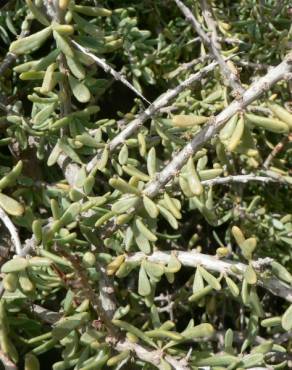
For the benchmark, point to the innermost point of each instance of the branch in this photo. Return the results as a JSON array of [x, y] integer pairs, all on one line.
[[151, 356], [10, 58], [215, 124], [44, 314], [211, 44], [277, 149], [13, 232], [253, 65], [7, 363], [193, 259], [185, 66], [160, 102], [239, 178], [108, 69]]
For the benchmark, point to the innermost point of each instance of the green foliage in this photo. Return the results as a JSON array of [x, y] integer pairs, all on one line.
[[105, 274]]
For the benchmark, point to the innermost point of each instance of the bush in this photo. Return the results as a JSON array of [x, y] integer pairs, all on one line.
[[145, 185]]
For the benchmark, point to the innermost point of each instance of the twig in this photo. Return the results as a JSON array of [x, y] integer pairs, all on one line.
[[277, 149], [207, 14], [194, 258], [107, 68], [215, 124], [160, 102], [10, 58], [13, 232], [256, 66], [89, 293], [7, 363], [228, 74], [238, 178], [185, 66], [151, 356], [227, 40], [44, 314]]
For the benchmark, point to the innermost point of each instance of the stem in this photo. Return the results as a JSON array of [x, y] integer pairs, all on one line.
[[107, 68], [160, 102], [193, 259], [13, 231], [215, 124], [212, 44]]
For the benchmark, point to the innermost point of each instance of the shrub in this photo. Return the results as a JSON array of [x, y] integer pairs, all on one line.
[[145, 185]]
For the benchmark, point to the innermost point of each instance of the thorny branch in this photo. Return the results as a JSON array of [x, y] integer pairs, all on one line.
[[107, 68], [277, 149], [7, 363], [10, 58], [215, 124], [212, 43], [211, 263], [13, 232], [160, 102], [239, 178], [151, 356]]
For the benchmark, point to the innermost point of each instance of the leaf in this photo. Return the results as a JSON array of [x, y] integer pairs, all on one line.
[[251, 360], [38, 15], [232, 286], [250, 275], [14, 265], [68, 216], [236, 135], [173, 265], [67, 149], [193, 178], [118, 358], [183, 120], [92, 11], [270, 124], [200, 294], [102, 161], [11, 177], [171, 206], [10, 281], [30, 43], [248, 247], [145, 231], [124, 204], [271, 321], [198, 283], [199, 331], [150, 207], [168, 216], [161, 333], [282, 114], [210, 279], [238, 235], [154, 270], [79, 90], [144, 287], [135, 331], [123, 155], [66, 325], [151, 163], [255, 303], [133, 171], [123, 186], [25, 283], [287, 319], [281, 272], [113, 266], [10, 205], [31, 362], [63, 45]]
